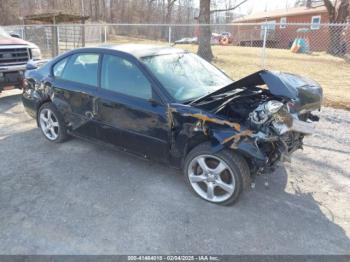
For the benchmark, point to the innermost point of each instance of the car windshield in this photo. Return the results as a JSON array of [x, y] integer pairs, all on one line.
[[3, 33], [186, 76]]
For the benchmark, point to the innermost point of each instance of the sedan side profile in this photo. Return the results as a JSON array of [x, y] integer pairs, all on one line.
[[172, 106]]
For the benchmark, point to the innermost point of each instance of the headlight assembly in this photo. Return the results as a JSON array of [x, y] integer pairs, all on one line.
[[273, 106], [36, 54]]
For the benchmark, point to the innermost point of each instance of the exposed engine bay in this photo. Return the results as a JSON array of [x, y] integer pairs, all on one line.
[[273, 120], [276, 130]]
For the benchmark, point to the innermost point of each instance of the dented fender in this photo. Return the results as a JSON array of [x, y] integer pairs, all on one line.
[[242, 142], [191, 126]]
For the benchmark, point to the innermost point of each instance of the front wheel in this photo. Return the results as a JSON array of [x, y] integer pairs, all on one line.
[[218, 178], [51, 123]]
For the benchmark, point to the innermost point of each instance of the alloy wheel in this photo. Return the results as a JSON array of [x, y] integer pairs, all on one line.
[[211, 178], [49, 124]]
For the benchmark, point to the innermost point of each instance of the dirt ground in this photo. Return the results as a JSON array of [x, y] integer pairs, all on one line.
[[80, 198]]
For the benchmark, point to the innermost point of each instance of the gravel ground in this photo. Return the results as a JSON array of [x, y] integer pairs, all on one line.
[[80, 198]]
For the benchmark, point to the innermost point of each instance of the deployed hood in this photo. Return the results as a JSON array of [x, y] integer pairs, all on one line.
[[302, 90]]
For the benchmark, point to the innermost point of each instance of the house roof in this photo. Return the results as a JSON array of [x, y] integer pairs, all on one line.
[[55, 17], [300, 10]]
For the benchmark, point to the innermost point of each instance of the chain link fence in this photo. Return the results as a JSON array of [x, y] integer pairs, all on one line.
[[319, 51]]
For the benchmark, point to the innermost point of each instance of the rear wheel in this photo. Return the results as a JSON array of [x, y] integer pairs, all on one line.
[[218, 178], [51, 123]]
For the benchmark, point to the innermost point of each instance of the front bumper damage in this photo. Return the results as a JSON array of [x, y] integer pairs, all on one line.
[[262, 151]]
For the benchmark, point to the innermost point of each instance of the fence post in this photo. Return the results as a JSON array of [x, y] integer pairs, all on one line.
[[83, 34], [264, 47], [54, 36], [58, 40], [169, 35], [105, 34], [100, 33], [22, 33]]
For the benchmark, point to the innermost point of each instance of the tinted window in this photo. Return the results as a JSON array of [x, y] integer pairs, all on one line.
[[120, 75], [81, 68]]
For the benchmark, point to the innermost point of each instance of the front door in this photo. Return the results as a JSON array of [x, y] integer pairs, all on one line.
[[127, 115]]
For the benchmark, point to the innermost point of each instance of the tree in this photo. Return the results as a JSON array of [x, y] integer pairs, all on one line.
[[204, 48], [338, 12]]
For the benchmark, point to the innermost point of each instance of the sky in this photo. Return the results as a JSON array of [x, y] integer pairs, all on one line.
[[259, 5], [262, 5]]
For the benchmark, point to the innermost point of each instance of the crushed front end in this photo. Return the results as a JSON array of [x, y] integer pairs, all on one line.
[[264, 116]]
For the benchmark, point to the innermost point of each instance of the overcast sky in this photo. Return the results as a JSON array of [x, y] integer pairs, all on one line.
[[261, 5]]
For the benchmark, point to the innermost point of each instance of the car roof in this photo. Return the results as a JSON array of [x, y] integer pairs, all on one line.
[[144, 50]]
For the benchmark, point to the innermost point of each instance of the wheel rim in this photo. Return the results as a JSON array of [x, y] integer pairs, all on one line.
[[49, 124], [211, 178]]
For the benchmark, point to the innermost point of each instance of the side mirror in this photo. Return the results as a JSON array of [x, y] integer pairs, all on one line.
[[15, 35], [31, 65]]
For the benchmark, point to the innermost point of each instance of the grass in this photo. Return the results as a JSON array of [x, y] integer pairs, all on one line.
[[331, 72]]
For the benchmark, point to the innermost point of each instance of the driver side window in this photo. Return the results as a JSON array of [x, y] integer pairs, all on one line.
[[121, 76]]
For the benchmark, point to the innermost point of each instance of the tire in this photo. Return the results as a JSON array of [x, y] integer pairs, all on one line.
[[56, 125], [225, 169]]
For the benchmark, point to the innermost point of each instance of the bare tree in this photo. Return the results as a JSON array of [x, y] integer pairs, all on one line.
[[338, 12], [204, 48]]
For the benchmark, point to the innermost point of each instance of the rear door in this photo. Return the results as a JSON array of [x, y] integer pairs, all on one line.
[[75, 86], [129, 109]]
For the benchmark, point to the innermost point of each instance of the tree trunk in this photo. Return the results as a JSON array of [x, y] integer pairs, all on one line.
[[204, 48], [337, 13], [336, 40]]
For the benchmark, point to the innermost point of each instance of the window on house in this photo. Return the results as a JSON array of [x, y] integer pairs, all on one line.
[[283, 22], [315, 22], [269, 25]]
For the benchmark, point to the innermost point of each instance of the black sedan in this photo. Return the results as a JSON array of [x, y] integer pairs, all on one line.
[[171, 106]]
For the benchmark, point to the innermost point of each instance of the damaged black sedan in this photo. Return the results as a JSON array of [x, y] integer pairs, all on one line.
[[172, 106]]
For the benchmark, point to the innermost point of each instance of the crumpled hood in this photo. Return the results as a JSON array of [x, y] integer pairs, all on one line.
[[306, 93]]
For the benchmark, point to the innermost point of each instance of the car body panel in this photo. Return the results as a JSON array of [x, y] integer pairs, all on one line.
[[134, 124], [161, 128]]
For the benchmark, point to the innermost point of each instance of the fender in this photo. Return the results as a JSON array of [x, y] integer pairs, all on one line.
[[191, 126]]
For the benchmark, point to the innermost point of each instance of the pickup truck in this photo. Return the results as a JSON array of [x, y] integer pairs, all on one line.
[[15, 53]]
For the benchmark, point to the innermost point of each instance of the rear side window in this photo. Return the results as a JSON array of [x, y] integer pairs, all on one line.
[[58, 68], [122, 76], [80, 68]]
